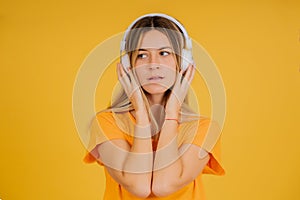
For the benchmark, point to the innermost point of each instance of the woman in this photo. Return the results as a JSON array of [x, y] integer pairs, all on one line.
[[149, 140]]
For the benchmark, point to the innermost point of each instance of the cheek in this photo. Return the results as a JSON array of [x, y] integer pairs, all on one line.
[[170, 77], [141, 74], [138, 63], [170, 61], [173, 77]]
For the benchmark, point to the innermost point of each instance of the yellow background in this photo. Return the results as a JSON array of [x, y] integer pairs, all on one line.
[[255, 45]]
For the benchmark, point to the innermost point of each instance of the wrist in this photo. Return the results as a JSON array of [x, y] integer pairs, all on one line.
[[142, 131], [142, 118], [172, 112], [175, 120], [172, 115]]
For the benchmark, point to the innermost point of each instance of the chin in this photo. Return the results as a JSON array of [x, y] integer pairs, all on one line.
[[155, 89]]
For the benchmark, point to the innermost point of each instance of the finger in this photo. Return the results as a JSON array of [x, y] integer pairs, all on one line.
[[177, 82], [122, 71], [192, 74], [123, 78], [133, 79], [131, 75], [188, 71], [134, 82], [125, 73], [188, 77], [118, 71], [179, 76], [185, 75], [130, 81]]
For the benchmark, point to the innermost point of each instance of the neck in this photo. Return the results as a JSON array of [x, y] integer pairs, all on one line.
[[155, 99]]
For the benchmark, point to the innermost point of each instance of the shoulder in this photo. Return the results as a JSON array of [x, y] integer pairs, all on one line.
[[196, 131], [118, 121], [197, 123], [104, 115], [110, 116]]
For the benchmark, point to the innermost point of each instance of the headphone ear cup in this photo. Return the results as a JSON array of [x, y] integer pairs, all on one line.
[[186, 59], [125, 62]]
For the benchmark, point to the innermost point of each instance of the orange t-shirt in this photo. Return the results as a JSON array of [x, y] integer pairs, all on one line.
[[108, 126]]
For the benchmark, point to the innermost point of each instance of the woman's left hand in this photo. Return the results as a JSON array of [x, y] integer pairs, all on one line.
[[179, 92]]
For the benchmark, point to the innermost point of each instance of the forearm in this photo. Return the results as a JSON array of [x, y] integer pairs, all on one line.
[[139, 162], [137, 168], [168, 166]]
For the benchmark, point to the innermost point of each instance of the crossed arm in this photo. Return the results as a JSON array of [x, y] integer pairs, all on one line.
[[131, 166], [175, 167], [140, 172]]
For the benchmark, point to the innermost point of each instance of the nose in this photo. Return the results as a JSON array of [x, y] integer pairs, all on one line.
[[154, 61], [153, 66]]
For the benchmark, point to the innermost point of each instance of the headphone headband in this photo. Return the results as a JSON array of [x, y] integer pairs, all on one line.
[[186, 54], [185, 34]]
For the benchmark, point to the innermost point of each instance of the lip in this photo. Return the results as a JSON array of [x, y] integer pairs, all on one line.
[[155, 78]]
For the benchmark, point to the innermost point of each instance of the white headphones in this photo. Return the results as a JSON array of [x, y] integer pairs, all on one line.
[[186, 52]]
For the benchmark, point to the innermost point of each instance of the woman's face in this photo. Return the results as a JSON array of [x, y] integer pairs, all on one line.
[[155, 64]]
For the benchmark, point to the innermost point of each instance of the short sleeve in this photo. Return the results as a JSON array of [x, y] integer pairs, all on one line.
[[206, 134], [103, 128]]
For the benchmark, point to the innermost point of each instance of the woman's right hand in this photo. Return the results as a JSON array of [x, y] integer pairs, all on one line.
[[132, 89]]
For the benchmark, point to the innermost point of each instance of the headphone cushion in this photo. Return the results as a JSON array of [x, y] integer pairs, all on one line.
[[125, 61]]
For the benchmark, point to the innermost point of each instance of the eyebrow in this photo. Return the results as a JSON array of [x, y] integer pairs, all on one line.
[[146, 49]]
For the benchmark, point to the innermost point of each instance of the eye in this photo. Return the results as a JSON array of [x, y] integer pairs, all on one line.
[[164, 53], [142, 55]]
